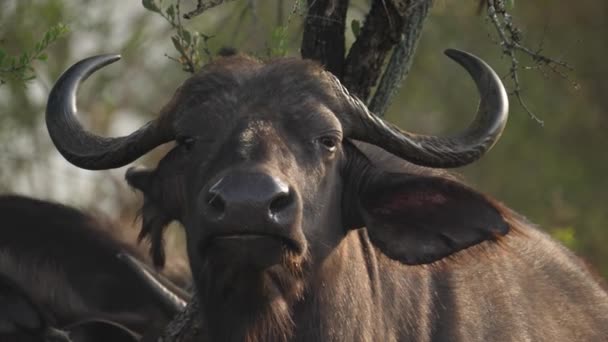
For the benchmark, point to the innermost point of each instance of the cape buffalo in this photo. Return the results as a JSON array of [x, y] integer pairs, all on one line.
[[22, 320], [59, 269], [308, 218]]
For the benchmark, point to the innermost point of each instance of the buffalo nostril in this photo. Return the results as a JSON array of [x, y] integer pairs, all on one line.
[[216, 203], [281, 201]]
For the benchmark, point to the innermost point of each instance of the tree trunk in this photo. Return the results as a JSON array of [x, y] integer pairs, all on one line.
[[323, 38]]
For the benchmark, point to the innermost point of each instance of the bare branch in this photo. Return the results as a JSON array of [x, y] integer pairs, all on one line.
[[202, 7], [510, 40]]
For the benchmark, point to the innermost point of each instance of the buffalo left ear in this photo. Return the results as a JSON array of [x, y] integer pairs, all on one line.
[[419, 220]]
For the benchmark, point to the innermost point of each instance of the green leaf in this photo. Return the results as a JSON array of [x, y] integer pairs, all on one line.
[[24, 59], [61, 29], [150, 5], [2, 55], [567, 235], [48, 36], [51, 36], [277, 41], [355, 26], [178, 45], [171, 12], [187, 37], [42, 57]]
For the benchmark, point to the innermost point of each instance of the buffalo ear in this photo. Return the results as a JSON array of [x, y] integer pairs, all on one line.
[[140, 179], [419, 220], [155, 216]]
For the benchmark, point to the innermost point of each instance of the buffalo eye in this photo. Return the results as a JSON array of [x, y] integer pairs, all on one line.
[[329, 143], [186, 142]]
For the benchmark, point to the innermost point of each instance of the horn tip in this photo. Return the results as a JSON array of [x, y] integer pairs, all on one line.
[[111, 57], [456, 54]]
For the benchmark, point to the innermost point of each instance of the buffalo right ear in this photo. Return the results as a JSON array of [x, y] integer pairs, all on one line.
[[421, 219], [155, 215], [139, 178]]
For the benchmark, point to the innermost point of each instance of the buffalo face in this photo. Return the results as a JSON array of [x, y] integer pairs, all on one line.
[[255, 178]]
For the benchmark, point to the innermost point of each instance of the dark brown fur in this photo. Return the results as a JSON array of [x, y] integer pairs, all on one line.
[[66, 262], [445, 264]]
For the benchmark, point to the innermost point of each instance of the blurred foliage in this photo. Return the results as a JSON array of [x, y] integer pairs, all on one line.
[[555, 175], [19, 68], [566, 235]]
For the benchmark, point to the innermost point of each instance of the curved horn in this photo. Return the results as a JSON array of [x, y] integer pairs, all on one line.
[[432, 151], [85, 149], [173, 299]]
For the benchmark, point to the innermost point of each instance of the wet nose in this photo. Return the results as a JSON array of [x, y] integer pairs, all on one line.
[[239, 198]]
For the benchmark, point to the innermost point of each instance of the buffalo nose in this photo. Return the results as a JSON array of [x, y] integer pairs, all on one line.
[[247, 197]]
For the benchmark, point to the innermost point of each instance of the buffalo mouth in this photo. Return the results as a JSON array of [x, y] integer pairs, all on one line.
[[260, 250], [288, 243]]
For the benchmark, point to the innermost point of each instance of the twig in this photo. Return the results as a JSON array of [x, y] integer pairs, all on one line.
[[510, 38], [202, 7], [188, 56], [278, 46], [191, 45]]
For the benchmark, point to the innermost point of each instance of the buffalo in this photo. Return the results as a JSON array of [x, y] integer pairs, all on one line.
[[61, 271], [308, 218], [23, 320]]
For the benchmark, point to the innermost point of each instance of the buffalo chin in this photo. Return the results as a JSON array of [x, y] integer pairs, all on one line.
[[256, 278], [257, 252]]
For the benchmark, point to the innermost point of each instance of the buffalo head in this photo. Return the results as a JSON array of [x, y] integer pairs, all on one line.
[[267, 178]]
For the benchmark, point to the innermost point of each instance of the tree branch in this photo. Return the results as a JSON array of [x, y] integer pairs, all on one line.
[[202, 7], [401, 59], [381, 31], [510, 39]]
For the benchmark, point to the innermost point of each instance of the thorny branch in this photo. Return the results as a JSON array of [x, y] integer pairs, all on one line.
[[186, 59], [511, 42]]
